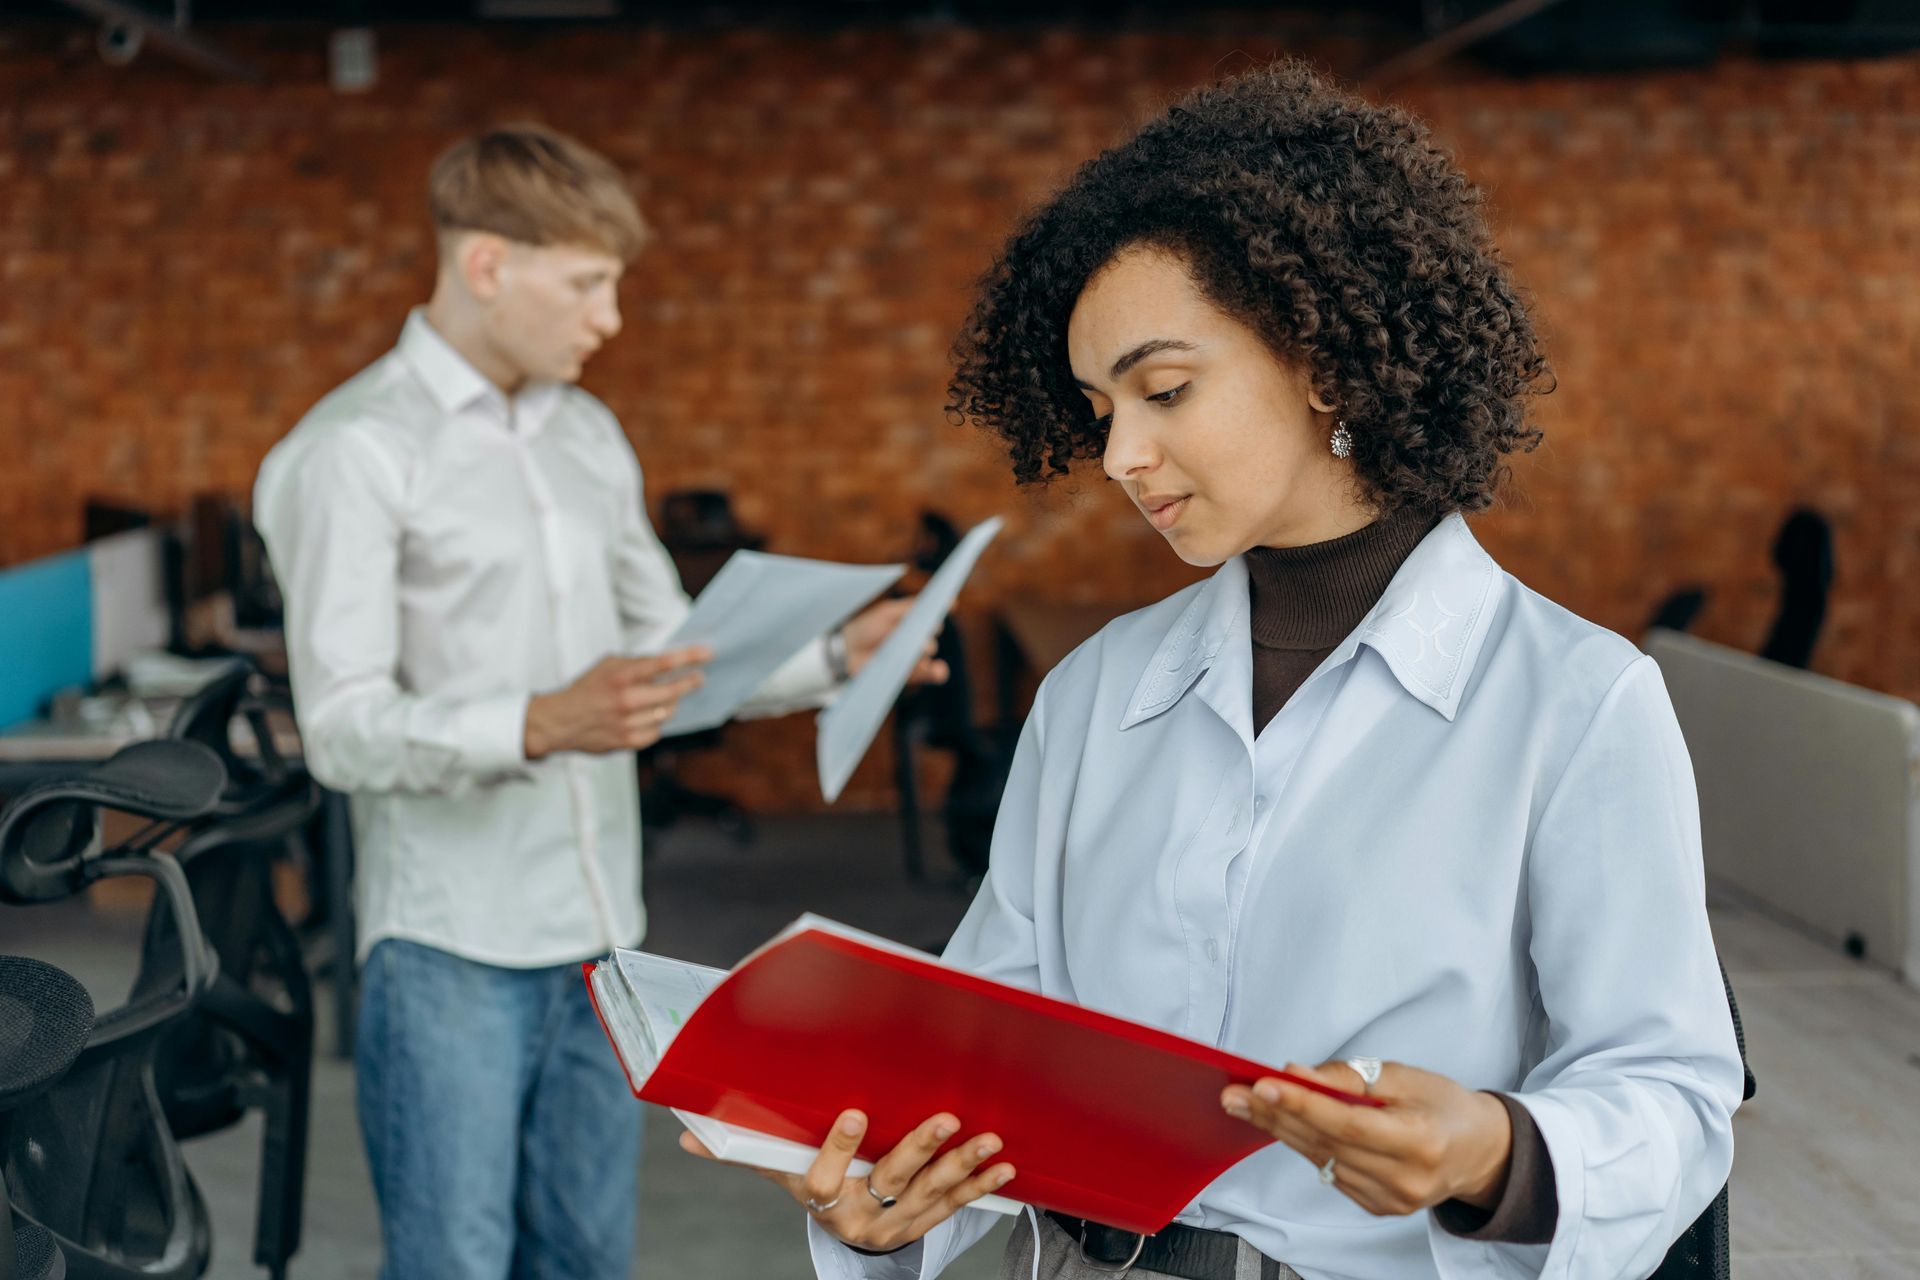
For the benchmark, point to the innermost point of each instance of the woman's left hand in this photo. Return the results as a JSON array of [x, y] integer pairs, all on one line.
[[1433, 1141]]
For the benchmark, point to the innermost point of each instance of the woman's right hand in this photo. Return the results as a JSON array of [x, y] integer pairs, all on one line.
[[925, 1191]]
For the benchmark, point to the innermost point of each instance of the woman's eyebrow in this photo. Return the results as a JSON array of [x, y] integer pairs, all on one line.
[[1152, 346]]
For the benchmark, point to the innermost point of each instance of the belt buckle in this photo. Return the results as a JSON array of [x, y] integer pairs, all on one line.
[[1108, 1269]]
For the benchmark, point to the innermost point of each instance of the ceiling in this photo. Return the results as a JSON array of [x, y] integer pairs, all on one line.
[[1524, 36]]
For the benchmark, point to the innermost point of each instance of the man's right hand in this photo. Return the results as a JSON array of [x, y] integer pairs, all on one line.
[[619, 705]]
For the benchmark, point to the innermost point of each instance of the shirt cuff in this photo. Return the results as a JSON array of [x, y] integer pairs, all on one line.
[[801, 682], [833, 1259], [1530, 1204], [492, 733]]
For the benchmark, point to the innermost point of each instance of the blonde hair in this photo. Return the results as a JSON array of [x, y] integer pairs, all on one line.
[[531, 184]]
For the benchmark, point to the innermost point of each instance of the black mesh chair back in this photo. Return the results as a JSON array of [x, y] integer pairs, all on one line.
[[700, 533], [1704, 1252], [92, 1160], [942, 717], [209, 716], [45, 1019], [248, 1044], [1803, 552]]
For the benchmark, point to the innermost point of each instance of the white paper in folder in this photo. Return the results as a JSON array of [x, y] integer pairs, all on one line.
[[645, 999], [847, 728]]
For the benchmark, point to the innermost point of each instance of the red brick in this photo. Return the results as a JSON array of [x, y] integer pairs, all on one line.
[[1723, 262]]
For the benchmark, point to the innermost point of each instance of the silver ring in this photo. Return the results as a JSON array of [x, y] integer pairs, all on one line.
[[886, 1202], [1368, 1070], [814, 1206], [1326, 1172]]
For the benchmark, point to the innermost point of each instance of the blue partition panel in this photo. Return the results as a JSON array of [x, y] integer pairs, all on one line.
[[46, 632]]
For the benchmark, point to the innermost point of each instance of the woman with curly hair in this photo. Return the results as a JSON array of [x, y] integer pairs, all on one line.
[[1359, 798]]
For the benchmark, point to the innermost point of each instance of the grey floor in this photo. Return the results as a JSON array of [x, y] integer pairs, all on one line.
[[1826, 1185]]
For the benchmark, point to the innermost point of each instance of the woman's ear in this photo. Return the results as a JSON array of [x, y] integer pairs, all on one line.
[[1318, 401]]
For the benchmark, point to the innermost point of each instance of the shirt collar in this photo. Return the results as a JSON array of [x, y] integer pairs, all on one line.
[[1429, 626], [455, 384]]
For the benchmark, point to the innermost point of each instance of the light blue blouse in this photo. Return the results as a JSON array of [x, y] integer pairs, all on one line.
[[1469, 842]]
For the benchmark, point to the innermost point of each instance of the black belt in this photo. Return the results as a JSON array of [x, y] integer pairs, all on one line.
[[1191, 1253]]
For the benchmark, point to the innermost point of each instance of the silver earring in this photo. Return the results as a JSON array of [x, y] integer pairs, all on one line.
[[1342, 441]]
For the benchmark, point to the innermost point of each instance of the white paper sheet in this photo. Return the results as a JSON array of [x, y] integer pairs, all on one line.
[[668, 991], [847, 728], [759, 611]]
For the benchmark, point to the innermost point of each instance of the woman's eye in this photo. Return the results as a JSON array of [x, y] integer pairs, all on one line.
[[1170, 395]]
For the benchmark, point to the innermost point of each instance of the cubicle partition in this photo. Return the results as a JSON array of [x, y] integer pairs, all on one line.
[[71, 618], [1809, 793]]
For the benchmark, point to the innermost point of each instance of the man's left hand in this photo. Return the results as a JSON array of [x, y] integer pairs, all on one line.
[[865, 632]]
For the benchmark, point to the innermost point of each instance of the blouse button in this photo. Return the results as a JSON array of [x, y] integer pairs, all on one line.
[[1213, 949]]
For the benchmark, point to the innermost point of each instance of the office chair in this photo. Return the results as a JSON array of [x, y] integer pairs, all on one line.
[[1704, 1251], [45, 1019], [92, 1160], [941, 717], [1803, 552], [248, 1045], [700, 533]]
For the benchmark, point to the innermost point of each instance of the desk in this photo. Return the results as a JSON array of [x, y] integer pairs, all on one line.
[[41, 750], [47, 742], [1035, 635]]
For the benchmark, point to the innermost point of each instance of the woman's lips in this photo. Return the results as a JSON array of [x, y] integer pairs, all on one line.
[[1162, 512]]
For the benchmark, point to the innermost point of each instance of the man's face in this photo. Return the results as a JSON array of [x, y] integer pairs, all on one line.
[[551, 307]]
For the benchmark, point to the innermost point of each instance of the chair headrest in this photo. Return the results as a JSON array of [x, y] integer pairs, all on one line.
[[159, 779], [48, 829], [203, 716]]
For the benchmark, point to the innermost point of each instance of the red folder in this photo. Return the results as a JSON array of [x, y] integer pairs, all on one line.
[[1102, 1118]]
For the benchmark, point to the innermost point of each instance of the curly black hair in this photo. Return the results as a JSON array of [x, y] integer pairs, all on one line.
[[1334, 228]]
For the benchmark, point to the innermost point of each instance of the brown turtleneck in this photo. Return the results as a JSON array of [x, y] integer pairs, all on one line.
[[1305, 601]]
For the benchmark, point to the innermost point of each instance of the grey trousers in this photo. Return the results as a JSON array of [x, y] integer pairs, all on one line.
[[1060, 1258]]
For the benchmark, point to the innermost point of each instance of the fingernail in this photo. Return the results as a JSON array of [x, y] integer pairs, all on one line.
[[1267, 1091], [986, 1149], [1237, 1109], [943, 1131], [1003, 1179], [853, 1124]]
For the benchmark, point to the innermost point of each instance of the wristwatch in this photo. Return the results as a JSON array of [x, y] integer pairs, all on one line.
[[837, 655]]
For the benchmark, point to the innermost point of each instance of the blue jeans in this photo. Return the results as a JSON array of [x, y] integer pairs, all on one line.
[[501, 1133]]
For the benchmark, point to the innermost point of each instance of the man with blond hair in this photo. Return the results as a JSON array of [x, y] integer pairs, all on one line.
[[463, 546]]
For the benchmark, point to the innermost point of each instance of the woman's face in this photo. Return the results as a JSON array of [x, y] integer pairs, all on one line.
[[1218, 442]]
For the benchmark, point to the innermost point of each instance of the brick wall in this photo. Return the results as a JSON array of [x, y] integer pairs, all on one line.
[[1724, 263]]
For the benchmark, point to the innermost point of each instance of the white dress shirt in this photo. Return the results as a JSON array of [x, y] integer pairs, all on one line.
[[1469, 842], [445, 552]]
